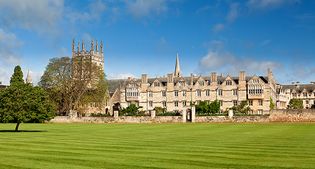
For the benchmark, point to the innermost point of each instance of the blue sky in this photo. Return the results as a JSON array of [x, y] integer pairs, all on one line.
[[143, 36]]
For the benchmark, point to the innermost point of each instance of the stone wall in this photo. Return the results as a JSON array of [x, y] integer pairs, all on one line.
[[292, 115], [283, 115], [237, 119], [158, 119], [120, 119]]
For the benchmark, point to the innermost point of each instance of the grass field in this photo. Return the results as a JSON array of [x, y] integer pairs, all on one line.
[[275, 145]]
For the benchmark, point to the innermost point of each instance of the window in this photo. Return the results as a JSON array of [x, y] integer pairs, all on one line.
[[220, 92], [150, 94], [202, 83], [176, 103], [294, 94], [184, 92], [184, 103], [228, 82], [156, 84], [176, 93], [164, 103], [235, 92], [304, 94], [260, 111], [260, 102], [207, 92], [164, 93], [306, 102], [250, 102], [198, 93], [234, 102], [221, 103], [151, 103]]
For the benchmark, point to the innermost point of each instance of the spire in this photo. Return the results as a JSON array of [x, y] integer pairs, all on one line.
[[83, 46], [92, 45], [96, 49], [177, 67], [101, 46], [28, 79], [78, 47], [73, 45]]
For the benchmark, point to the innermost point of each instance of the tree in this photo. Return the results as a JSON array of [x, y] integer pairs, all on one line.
[[74, 84], [295, 104], [242, 108], [272, 104], [17, 77], [56, 80], [214, 107], [20, 103], [205, 108]]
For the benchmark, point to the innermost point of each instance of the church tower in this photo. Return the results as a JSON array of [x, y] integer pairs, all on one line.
[[82, 55], [95, 54], [177, 67]]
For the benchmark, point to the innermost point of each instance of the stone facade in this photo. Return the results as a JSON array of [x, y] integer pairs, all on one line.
[[305, 92], [176, 93]]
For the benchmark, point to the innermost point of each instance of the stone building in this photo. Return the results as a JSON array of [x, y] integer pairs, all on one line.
[[305, 92], [175, 92]]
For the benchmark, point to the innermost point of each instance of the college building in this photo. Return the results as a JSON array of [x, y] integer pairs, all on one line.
[[175, 92]]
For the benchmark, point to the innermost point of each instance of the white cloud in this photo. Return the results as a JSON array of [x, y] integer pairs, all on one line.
[[233, 12], [120, 76], [218, 27], [144, 8], [9, 45], [225, 62], [39, 15], [9, 56], [267, 4], [94, 12]]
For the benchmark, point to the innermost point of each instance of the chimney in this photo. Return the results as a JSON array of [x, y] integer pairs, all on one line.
[[214, 77], [144, 78], [242, 76], [170, 78]]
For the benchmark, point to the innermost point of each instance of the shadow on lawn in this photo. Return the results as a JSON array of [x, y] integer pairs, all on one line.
[[26, 131]]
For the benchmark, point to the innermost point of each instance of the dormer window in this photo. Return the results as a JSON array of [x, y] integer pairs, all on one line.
[[228, 82], [156, 84], [202, 83]]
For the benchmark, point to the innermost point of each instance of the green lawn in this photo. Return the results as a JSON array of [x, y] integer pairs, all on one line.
[[275, 145]]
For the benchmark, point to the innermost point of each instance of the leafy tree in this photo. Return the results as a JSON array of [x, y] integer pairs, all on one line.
[[272, 104], [242, 108], [23, 103], [74, 84], [295, 104], [17, 77], [202, 108], [56, 80], [214, 107], [205, 108]]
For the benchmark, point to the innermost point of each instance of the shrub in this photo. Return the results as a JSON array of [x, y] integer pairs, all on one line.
[[168, 114]]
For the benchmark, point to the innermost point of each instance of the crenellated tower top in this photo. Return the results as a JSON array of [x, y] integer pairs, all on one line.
[[93, 54]]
